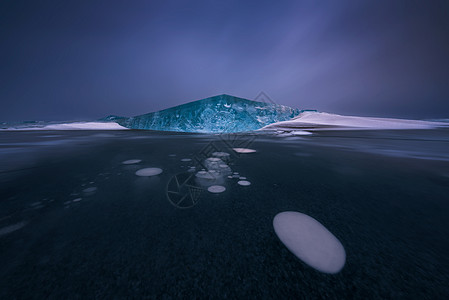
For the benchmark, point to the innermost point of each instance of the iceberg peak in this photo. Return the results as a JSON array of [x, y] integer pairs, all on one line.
[[221, 113]]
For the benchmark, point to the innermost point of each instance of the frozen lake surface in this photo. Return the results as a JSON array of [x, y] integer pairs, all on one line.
[[77, 222]]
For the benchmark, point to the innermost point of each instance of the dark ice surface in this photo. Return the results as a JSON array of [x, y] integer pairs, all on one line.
[[75, 223]]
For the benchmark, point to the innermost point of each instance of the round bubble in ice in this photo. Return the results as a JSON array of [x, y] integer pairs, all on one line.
[[310, 241], [207, 174], [244, 150], [149, 172], [131, 161], [222, 155], [216, 189], [214, 159], [214, 163], [244, 182]]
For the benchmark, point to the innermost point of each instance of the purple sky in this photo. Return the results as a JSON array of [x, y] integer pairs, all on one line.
[[65, 60]]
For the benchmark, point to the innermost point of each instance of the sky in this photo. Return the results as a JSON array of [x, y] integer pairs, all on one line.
[[83, 60]]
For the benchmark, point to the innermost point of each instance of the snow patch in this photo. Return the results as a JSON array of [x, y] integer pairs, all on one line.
[[325, 121], [75, 126]]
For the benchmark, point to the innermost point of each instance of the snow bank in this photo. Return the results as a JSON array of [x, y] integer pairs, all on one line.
[[320, 121], [74, 126]]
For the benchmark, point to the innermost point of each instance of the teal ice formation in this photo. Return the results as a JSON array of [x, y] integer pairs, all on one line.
[[222, 113]]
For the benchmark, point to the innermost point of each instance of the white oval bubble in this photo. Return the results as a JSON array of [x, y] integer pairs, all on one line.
[[310, 241], [244, 150], [216, 189], [149, 172], [131, 161], [244, 182], [301, 132], [206, 175], [90, 190], [186, 159], [214, 159]]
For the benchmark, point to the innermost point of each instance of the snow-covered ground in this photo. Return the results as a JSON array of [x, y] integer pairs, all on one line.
[[74, 126], [300, 125], [321, 120]]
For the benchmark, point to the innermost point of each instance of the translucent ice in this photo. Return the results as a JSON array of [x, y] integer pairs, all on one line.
[[221, 113]]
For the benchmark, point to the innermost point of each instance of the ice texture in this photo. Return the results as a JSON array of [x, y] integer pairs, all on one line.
[[216, 114]]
